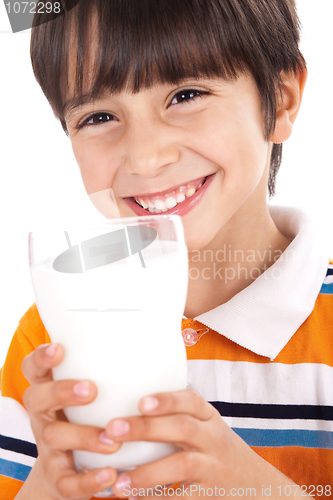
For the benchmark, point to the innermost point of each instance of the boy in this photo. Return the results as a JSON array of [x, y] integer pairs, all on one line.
[[155, 96]]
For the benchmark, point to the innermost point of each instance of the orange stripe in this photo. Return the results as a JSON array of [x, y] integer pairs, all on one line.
[[312, 343], [31, 323], [307, 466], [29, 334], [9, 487]]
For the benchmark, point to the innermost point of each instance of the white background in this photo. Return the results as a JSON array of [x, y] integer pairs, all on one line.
[[41, 183]]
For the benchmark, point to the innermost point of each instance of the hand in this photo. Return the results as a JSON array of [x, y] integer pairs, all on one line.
[[54, 475], [212, 456]]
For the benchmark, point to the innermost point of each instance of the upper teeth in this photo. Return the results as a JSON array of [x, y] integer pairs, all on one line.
[[189, 192], [162, 204], [180, 197]]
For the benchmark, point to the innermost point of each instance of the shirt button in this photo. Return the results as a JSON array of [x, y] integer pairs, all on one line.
[[190, 337]]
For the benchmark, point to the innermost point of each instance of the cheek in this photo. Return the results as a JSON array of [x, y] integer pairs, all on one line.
[[234, 144], [97, 165], [244, 170]]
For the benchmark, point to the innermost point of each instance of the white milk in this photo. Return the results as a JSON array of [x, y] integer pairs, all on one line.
[[128, 354]]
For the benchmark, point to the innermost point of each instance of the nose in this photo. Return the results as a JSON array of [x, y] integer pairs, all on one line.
[[150, 146]]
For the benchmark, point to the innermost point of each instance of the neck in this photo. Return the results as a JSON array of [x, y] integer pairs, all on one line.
[[242, 250]]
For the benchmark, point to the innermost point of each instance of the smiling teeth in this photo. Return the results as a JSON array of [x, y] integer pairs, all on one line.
[[160, 205], [144, 204], [170, 202], [189, 192], [180, 198]]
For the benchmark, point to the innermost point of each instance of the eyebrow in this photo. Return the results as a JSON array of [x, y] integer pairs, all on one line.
[[79, 101]]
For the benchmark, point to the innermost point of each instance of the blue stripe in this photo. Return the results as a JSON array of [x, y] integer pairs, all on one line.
[[327, 289], [14, 470], [291, 437]]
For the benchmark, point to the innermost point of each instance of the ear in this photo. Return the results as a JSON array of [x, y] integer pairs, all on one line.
[[288, 104]]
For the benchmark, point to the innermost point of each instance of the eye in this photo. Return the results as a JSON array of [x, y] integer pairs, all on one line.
[[96, 119], [187, 95]]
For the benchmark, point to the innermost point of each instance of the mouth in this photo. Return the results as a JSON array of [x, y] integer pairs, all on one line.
[[179, 200]]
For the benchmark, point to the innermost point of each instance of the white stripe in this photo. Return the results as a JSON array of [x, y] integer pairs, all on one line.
[[18, 458], [14, 420], [262, 383], [265, 423]]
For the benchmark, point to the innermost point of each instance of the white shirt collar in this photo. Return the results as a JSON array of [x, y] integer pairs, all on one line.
[[265, 315]]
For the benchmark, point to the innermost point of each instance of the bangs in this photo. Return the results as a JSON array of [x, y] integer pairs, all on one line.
[[141, 43], [130, 45]]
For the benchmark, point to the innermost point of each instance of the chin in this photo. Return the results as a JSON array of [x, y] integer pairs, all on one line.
[[196, 242]]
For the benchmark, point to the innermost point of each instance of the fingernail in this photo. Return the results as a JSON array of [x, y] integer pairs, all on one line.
[[104, 476], [51, 350], [103, 437], [81, 389], [149, 403], [120, 427], [122, 482]]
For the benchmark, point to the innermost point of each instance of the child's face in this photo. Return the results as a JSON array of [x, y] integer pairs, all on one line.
[[169, 135]]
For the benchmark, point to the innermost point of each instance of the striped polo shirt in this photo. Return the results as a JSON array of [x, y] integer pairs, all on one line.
[[266, 362], [264, 359]]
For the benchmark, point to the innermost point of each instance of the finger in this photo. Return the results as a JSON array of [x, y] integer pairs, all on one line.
[[179, 467], [183, 430], [86, 484], [53, 396], [65, 436], [187, 401], [37, 366]]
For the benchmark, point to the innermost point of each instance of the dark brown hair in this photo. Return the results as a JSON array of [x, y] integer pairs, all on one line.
[[141, 42]]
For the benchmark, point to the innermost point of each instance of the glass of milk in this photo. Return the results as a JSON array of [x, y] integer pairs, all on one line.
[[114, 297]]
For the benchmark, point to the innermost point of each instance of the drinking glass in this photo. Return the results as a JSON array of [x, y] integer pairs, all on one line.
[[114, 297]]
